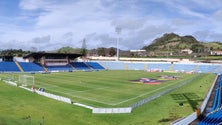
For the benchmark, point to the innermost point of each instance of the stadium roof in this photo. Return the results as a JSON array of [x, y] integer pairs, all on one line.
[[41, 54]]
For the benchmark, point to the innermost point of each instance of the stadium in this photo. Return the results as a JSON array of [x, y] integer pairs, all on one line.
[[110, 62], [57, 88]]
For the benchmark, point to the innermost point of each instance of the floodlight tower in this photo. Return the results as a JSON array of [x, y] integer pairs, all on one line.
[[118, 31]]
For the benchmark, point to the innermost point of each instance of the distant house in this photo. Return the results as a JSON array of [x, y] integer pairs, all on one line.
[[188, 51], [138, 52], [216, 52]]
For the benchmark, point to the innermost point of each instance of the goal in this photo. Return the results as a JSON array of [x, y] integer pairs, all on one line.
[[26, 80]]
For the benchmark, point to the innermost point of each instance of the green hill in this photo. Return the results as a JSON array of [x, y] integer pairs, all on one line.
[[175, 43], [172, 41]]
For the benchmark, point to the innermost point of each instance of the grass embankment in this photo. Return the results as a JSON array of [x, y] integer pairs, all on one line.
[[19, 104]]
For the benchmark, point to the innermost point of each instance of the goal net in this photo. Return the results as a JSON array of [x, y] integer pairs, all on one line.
[[26, 80]]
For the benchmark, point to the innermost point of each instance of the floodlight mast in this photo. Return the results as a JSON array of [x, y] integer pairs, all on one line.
[[118, 31]]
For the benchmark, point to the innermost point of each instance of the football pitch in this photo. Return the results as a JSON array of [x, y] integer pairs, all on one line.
[[106, 88], [103, 89]]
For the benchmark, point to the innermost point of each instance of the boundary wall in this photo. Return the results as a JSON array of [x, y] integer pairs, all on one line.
[[10, 82], [111, 110], [56, 97]]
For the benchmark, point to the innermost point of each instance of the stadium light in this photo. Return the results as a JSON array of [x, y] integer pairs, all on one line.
[[118, 31]]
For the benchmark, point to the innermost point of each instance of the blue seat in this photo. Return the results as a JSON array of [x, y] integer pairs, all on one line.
[[8, 67], [215, 117], [59, 68], [95, 65], [80, 66], [31, 67]]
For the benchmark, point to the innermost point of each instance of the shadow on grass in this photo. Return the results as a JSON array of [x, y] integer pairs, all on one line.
[[190, 98]]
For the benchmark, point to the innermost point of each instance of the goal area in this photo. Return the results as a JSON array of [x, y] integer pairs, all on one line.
[[26, 80]]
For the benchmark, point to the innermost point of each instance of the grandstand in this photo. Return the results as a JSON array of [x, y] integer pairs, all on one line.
[[95, 65], [50, 62], [58, 63], [80, 66], [38, 62], [66, 67], [214, 117], [30, 67], [8, 67]]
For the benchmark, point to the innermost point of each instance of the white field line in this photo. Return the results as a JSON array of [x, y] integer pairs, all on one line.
[[89, 90], [112, 104], [69, 93], [143, 94], [50, 86], [92, 100], [82, 97], [46, 84], [81, 85], [83, 105]]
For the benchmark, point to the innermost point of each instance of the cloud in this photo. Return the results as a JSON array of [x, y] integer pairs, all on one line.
[[41, 40], [128, 23], [102, 40], [35, 5], [51, 24], [217, 16]]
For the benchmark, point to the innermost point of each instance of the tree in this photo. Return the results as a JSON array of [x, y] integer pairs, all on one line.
[[83, 50], [197, 48], [101, 51], [13, 52], [66, 49], [112, 51]]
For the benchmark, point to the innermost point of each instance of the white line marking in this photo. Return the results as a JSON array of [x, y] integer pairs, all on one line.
[[112, 104], [89, 90], [92, 100], [68, 93], [143, 94]]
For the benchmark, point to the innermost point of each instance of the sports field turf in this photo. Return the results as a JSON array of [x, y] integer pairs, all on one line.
[[90, 88], [105, 88]]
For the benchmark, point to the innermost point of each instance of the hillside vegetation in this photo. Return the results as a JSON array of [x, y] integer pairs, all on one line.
[[176, 43]]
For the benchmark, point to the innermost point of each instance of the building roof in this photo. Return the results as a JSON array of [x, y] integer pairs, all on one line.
[[41, 54]]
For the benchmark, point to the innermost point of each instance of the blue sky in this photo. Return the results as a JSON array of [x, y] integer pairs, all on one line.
[[51, 24]]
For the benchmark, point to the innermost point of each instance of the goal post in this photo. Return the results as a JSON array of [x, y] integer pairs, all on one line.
[[26, 80]]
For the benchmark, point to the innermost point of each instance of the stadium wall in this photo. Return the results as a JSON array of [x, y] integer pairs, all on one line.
[[111, 110], [10, 82], [56, 97], [137, 59], [186, 121], [49, 95]]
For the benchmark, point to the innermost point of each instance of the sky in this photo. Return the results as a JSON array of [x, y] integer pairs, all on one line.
[[44, 25]]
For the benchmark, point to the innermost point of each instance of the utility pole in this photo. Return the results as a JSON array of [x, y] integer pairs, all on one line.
[[118, 31]]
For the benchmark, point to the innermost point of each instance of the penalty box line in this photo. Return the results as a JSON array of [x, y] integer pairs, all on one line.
[[70, 93], [112, 104], [89, 90], [83, 97], [143, 94]]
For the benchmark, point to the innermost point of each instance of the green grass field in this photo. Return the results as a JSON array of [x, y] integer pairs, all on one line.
[[105, 88], [102, 89]]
